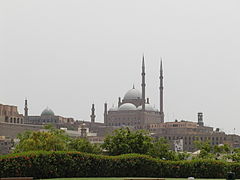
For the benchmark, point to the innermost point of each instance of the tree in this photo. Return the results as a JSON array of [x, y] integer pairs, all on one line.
[[42, 140], [222, 148], [83, 145], [161, 149], [205, 149], [124, 141], [53, 140], [211, 152], [203, 145]]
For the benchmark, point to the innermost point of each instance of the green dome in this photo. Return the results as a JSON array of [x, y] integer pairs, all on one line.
[[47, 112]]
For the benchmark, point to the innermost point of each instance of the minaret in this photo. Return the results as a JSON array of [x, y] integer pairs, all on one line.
[[26, 110], [93, 114], [143, 84], [119, 101], [105, 113], [161, 92]]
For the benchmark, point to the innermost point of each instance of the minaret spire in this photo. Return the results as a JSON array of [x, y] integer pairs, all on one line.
[[105, 113], [143, 84], [26, 110], [161, 92], [93, 114]]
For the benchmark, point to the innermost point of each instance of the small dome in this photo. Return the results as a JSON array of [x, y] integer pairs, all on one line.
[[127, 107], [148, 107], [47, 112], [133, 94]]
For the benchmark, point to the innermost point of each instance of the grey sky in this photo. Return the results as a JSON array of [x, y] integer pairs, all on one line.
[[69, 54]]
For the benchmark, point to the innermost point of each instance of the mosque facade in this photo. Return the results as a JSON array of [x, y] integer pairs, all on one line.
[[135, 110], [47, 117]]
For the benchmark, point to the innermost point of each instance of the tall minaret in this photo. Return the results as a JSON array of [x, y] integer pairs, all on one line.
[[161, 92], [143, 84], [26, 111], [105, 113], [93, 114]]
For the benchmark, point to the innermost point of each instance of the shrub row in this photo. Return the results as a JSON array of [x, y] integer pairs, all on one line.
[[76, 164]]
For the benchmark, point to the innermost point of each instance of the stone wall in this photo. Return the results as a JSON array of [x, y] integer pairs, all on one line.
[[12, 130]]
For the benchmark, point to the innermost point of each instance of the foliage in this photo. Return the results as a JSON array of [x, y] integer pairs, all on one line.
[[83, 145], [161, 149], [74, 164], [236, 150], [223, 149], [46, 140], [211, 152], [124, 141], [53, 140], [182, 156], [203, 145], [233, 157]]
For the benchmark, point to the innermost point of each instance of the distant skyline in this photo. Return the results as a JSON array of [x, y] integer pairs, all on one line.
[[69, 54]]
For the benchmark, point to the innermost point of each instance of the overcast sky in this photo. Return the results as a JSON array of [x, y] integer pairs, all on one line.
[[67, 54]]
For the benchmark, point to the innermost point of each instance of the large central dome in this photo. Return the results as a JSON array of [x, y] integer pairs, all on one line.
[[133, 94]]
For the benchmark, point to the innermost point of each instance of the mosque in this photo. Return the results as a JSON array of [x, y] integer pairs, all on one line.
[[47, 117], [134, 109]]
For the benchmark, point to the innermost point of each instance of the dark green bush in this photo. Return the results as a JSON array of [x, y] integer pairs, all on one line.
[[76, 164]]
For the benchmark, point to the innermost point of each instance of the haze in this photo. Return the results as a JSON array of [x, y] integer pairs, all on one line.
[[68, 54]]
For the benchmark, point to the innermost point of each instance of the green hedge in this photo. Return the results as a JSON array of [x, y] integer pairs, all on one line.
[[75, 164]]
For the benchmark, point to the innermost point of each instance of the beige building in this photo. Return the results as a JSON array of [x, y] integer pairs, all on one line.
[[10, 114], [189, 132]]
